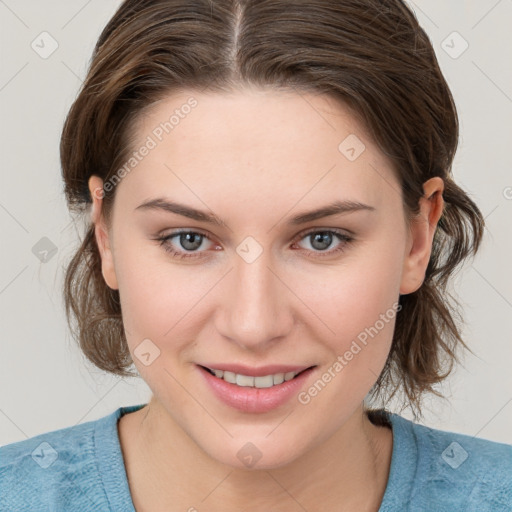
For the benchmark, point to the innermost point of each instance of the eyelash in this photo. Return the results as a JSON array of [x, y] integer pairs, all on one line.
[[347, 240]]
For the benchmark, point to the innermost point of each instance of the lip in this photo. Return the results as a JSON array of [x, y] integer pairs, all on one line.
[[251, 399], [256, 372]]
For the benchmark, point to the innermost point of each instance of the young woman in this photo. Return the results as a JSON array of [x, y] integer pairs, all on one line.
[[273, 225]]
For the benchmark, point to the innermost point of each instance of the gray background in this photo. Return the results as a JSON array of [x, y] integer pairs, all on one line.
[[46, 383]]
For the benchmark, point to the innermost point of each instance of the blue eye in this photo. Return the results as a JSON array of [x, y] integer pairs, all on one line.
[[191, 241], [324, 239]]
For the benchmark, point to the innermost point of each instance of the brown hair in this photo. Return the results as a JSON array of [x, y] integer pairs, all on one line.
[[370, 54]]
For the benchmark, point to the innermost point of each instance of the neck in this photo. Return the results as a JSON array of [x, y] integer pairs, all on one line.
[[171, 472]]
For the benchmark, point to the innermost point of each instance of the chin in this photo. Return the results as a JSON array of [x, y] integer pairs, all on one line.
[[255, 455]]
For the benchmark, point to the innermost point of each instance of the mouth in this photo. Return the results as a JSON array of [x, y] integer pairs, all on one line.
[[251, 381], [255, 390]]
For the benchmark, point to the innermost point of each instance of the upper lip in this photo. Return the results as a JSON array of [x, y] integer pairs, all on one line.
[[260, 371]]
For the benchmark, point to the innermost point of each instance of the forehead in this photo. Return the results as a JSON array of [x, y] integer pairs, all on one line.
[[257, 144]]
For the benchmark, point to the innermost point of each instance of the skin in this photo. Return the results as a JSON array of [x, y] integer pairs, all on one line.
[[255, 158]]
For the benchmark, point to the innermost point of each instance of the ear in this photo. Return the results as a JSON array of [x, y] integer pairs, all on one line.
[[421, 235], [101, 232]]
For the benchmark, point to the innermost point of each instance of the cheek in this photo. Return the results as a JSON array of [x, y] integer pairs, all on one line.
[[355, 292], [357, 303], [360, 306], [159, 300]]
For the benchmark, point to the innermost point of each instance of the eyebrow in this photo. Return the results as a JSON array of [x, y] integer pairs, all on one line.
[[335, 208]]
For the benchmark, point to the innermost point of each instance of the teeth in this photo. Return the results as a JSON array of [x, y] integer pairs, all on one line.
[[244, 380], [278, 378], [229, 377], [266, 381]]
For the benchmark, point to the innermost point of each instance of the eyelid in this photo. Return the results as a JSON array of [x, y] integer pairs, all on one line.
[[345, 232]]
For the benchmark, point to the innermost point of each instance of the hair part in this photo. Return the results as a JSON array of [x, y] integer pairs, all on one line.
[[371, 55]]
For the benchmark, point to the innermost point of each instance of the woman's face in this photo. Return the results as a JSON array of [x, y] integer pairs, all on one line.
[[270, 284]]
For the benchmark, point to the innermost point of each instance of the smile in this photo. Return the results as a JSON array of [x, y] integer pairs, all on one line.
[[268, 387], [264, 381]]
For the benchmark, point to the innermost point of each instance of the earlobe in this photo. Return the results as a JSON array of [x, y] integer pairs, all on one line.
[[101, 232], [421, 236]]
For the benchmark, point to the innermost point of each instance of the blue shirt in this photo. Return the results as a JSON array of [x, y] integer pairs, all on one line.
[[81, 468]]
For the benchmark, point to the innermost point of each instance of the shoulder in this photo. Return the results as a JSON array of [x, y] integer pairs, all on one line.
[[458, 471], [55, 468], [491, 460]]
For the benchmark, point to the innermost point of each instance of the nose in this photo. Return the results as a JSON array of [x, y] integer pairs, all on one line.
[[255, 311]]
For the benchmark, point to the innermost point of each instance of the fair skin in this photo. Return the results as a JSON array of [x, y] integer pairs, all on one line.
[[256, 159]]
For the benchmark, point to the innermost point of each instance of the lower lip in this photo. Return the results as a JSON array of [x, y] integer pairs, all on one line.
[[255, 400]]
